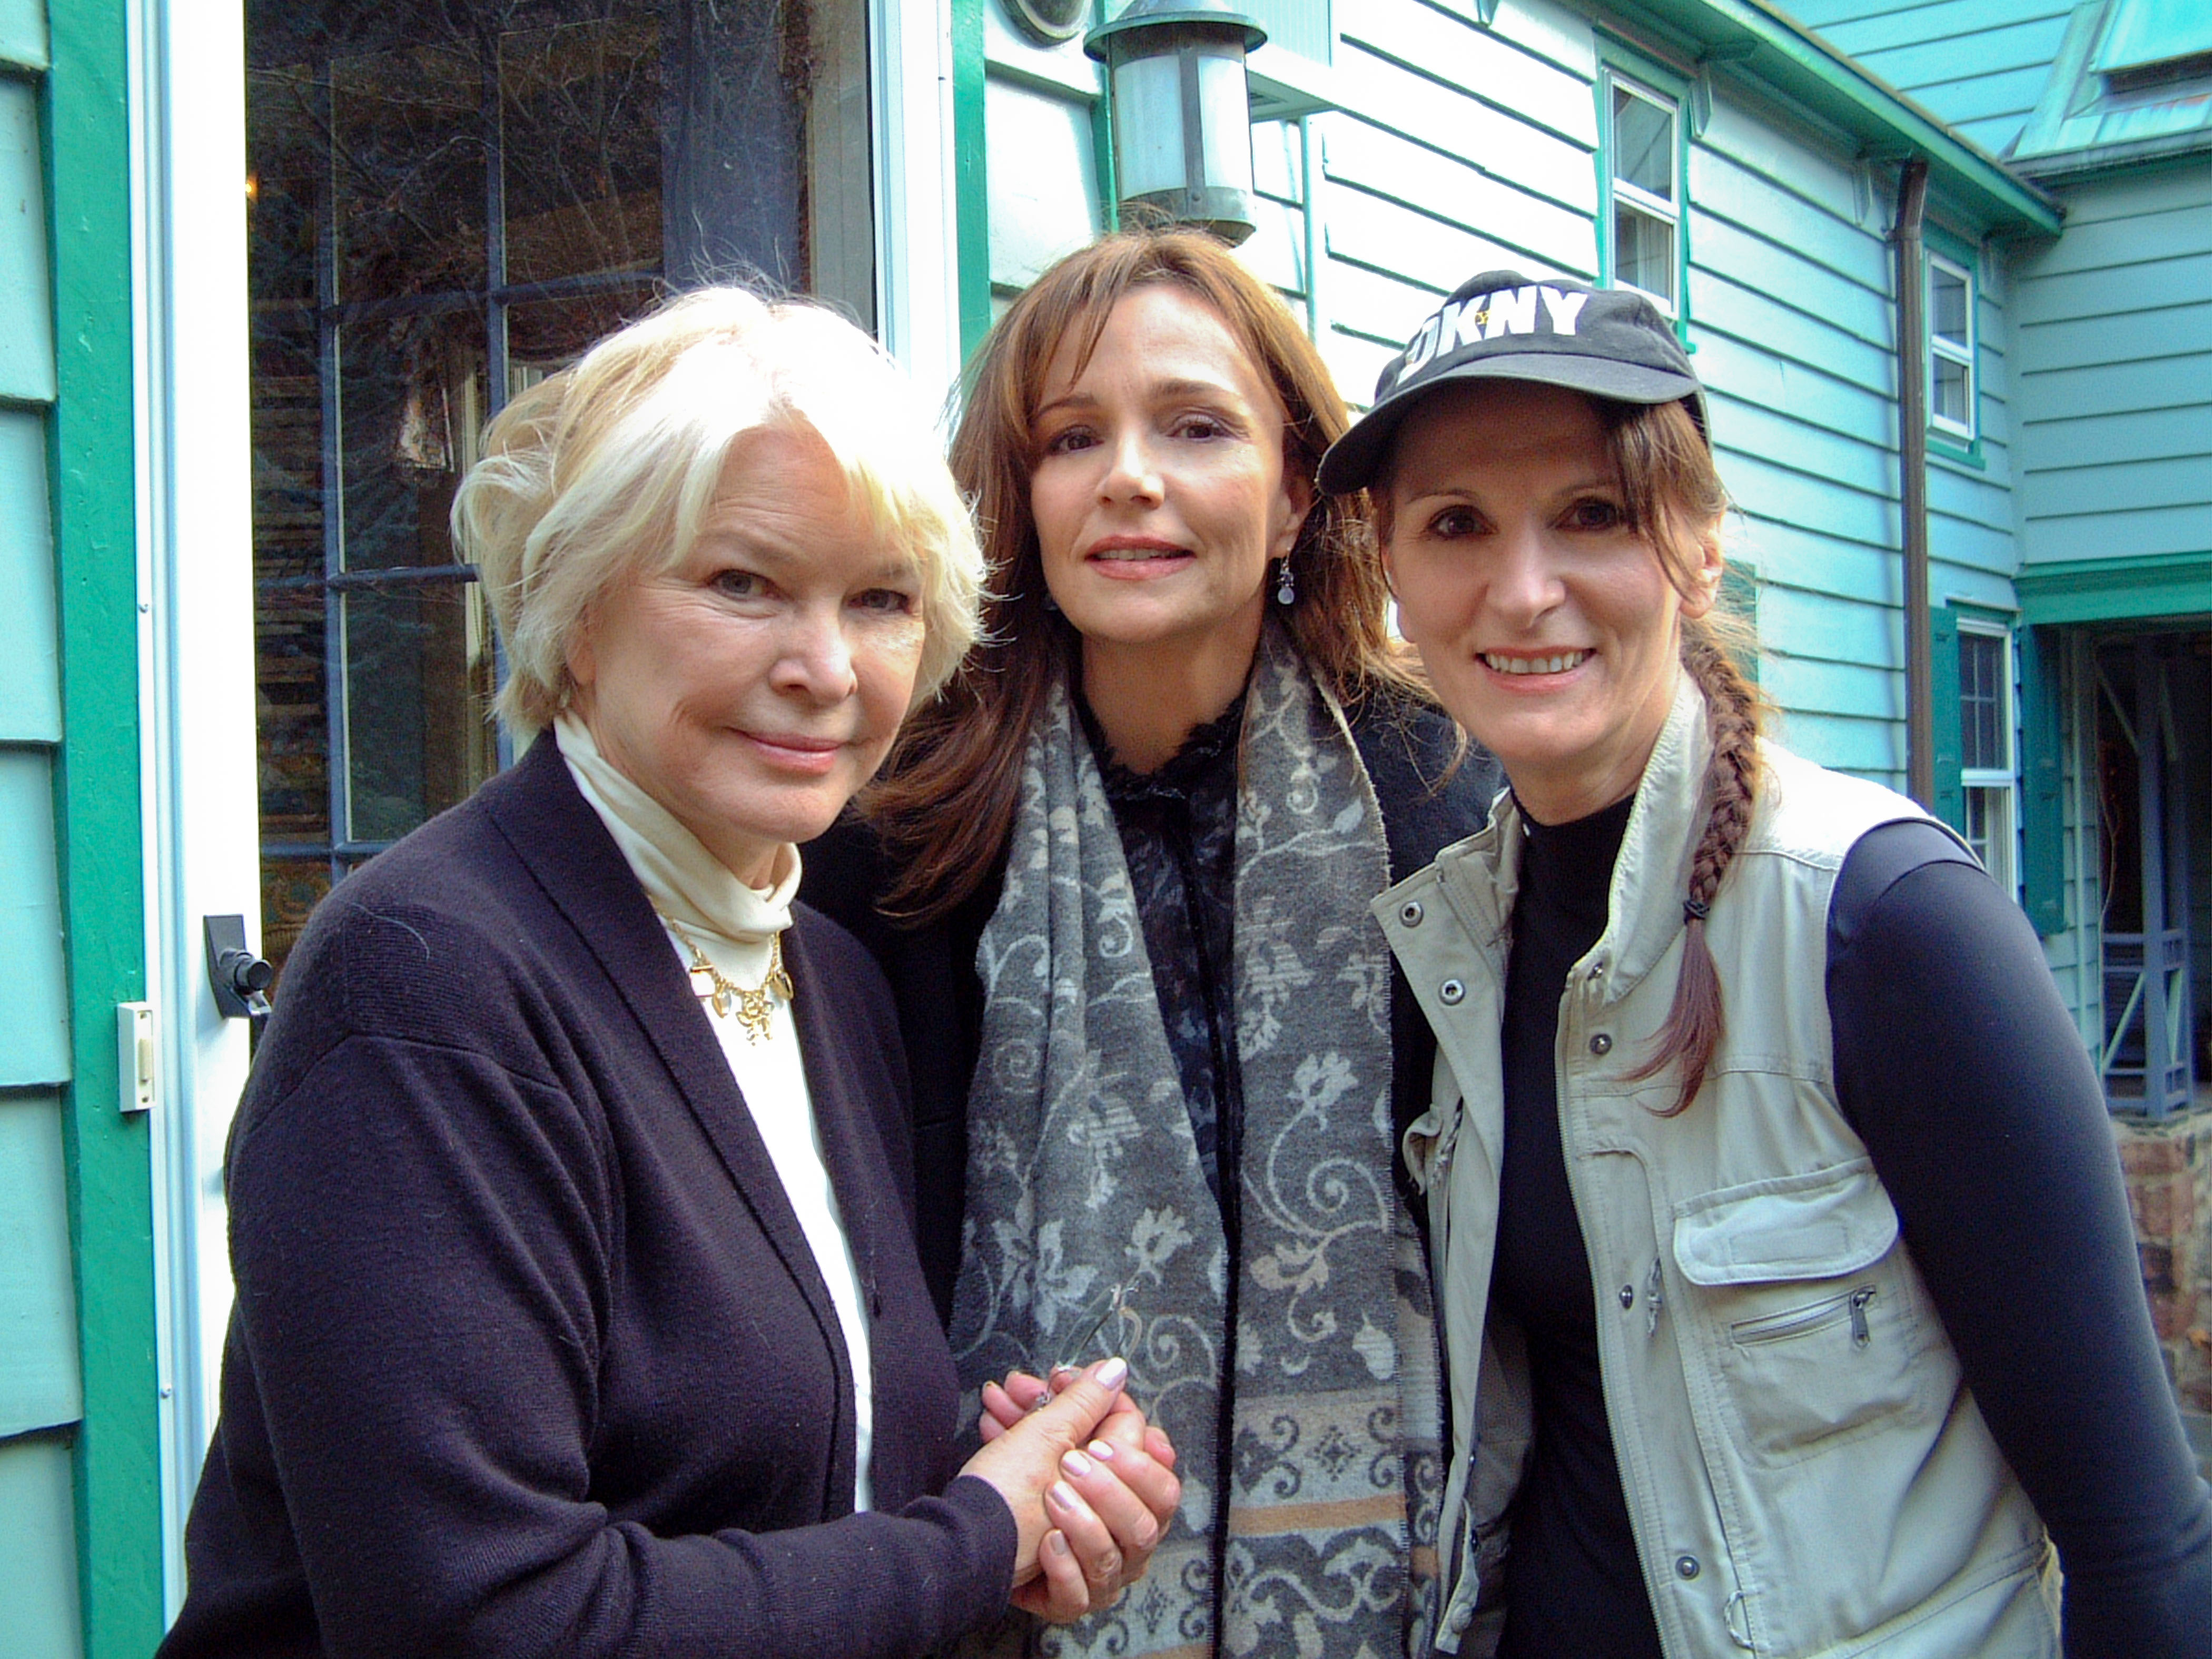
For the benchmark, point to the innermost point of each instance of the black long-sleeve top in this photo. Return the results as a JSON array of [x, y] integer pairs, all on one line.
[[1953, 1055]]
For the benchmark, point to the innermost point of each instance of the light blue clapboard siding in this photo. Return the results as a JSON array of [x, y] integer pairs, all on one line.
[[2146, 434], [1867, 749], [1810, 559], [1779, 331], [1386, 164], [1455, 121], [2117, 242], [2143, 533], [34, 1036], [2059, 391], [2055, 297], [1536, 90], [30, 682], [40, 1386], [38, 1546], [1855, 309], [27, 323], [2151, 334], [1421, 247]]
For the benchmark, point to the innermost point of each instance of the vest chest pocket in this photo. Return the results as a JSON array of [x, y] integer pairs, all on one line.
[[1802, 1311]]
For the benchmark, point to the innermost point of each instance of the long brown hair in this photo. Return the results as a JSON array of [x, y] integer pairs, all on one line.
[[946, 805], [1675, 498]]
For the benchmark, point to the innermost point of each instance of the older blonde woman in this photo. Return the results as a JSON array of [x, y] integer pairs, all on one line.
[[578, 1310]]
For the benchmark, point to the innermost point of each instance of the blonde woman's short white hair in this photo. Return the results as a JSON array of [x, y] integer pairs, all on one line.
[[603, 474]]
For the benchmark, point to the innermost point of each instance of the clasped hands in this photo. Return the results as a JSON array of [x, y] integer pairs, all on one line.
[[1092, 1485]]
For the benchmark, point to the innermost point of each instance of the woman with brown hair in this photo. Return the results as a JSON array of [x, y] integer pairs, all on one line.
[[1787, 1281], [1118, 877]]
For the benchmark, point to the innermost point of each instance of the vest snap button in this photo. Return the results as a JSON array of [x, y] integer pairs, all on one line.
[[1601, 1043], [1628, 1295], [1452, 991], [1687, 1566], [1410, 913]]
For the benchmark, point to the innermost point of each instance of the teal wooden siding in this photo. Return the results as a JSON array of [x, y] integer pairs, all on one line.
[[2115, 323], [37, 1528], [1979, 65], [41, 1379], [1458, 148]]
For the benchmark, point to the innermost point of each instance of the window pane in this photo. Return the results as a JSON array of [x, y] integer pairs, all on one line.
[[1643, 143], [1947, 306], [545, 336], [407, 160], [1977, 824], [1644, 252], [407, 387], [581, 107], [418, 687], [1981, 702], [1950, 391], [290, 888]]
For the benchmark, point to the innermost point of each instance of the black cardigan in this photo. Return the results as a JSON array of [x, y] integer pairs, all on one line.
[[530, 1353], [1429, 797]]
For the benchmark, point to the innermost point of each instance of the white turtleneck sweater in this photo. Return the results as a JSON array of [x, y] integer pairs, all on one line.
[[700, 901]]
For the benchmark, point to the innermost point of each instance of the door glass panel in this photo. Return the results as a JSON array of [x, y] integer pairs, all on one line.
[[580, 103], [407, 159], [404, 391], [418, 697]]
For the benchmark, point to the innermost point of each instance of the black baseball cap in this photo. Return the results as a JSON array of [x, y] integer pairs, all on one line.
[[1611, 342]]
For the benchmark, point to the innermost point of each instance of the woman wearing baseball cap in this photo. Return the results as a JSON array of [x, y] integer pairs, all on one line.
[[1788, 1283]]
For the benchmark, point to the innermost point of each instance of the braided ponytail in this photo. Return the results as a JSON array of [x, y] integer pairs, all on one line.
[[1694, 1022]]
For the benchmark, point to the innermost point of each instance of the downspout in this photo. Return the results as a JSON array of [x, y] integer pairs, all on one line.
[[1912, 481]]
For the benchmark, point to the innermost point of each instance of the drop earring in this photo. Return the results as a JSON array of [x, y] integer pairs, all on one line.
[[1286, 588]]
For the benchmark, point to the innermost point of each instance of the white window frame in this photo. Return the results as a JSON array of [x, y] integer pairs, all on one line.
[[1952, 349], [1995, 790], [1620, 192]]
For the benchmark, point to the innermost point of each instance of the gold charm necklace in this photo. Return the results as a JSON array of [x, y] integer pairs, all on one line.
[[753, 1008]]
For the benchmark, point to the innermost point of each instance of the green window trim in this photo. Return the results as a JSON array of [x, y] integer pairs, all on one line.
[[971, 189], [1950, 802], [2042, 780]]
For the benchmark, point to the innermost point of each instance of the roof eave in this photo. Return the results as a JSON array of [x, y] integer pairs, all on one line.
[[1748, 38]]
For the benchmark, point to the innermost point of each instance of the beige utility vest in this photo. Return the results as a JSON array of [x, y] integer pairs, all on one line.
[[1806, 1471]]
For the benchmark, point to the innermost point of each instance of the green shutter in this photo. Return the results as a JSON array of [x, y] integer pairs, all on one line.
[[2042, 778], [1950, 801]]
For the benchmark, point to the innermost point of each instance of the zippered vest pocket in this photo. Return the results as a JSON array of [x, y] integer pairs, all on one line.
[[1800, 1313]]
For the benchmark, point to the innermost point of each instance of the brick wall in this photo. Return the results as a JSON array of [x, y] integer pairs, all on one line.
[[2168, 1165]]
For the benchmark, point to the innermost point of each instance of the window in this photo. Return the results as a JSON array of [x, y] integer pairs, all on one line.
[[1951, 347], [1986, 748], [1642, 224]]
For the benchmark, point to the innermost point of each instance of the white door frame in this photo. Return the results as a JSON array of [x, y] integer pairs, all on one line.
[[917, 235], [199, 768]]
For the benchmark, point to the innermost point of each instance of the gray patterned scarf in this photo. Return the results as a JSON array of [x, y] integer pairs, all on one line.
[[1084, 1181]]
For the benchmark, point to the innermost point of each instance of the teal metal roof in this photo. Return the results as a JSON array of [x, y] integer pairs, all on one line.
[[1752, 39], [2131, 83]]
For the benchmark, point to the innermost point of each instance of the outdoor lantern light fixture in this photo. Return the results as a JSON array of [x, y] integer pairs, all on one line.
[[1182, 111]]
